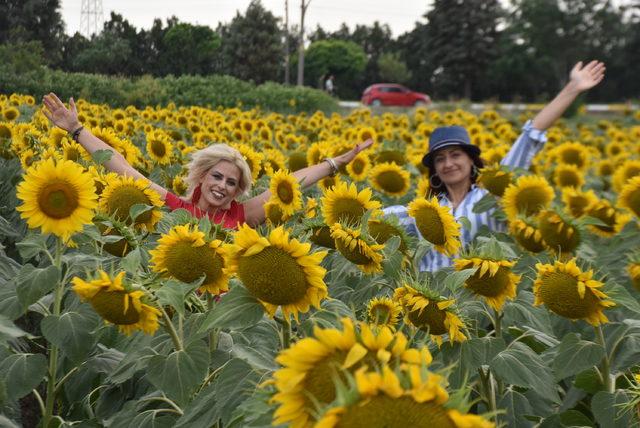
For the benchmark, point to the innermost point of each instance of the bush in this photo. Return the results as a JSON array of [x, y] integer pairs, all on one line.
[[211, 91]]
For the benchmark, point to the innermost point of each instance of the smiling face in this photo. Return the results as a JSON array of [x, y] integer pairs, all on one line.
[[453, 166], [220, 185]]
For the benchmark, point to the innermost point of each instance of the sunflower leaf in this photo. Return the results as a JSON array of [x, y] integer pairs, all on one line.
[[608, 409], [34, 244], [22, 373], [520, 366], [486, 203], [71, 332], [455, 280], [181, 372], [34, 283], [173, 293], [237, 309], [8, 330], [102, 156], [575, 355], [621, 296], [139, 209]]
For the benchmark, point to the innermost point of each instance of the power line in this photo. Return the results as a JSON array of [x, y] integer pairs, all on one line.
[[91, 17]]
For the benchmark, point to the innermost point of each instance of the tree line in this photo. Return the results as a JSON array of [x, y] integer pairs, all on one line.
[[472, 49]]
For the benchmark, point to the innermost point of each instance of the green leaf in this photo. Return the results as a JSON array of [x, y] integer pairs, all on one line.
[[10, 306], [479, 351], [589, 381], [455, 280], [520, 366], [22, 373], [575, 355], [8, 268], [574, 418], [486, 203], [181, 372], [102, 156], [607, 410], [173, 293], [516, 405], [7, 423], [236, 309], [464, 221], [622, 297], [7, 229], [32, 245], [8, 330], [139, 209], [34, 283], [236, 382], [71, 332]]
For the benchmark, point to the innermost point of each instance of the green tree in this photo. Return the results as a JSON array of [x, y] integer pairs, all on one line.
[[189, 49], [252, 45], [462, 36], [345, 60], [392, 69], [412, 49], [27, 20]]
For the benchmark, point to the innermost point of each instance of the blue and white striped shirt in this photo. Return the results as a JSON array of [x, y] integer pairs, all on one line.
[[519, 156]]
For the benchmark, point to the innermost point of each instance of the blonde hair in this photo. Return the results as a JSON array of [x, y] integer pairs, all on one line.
[[205, 159]]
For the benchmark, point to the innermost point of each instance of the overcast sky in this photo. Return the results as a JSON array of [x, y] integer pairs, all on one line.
[[401, 15]]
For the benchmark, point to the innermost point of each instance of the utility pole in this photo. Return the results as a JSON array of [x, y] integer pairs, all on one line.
[[91, 18], [303, 10], [287, 77]]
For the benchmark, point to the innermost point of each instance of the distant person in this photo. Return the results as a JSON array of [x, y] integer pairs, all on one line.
[[328, 85]]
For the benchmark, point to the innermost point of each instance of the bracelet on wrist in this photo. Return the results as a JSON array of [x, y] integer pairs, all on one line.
[[75, 134], [334, 166]]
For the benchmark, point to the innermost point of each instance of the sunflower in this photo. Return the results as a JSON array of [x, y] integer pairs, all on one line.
[[359, 167], [365, 133], [568, 175], [630, 196], [427, 311], [436, 224], [390, 179], [557, 232], [383, 311], [571, 153], [253, 158], [629, 169], [285, 192], [321, 235], [58, 197], [328, 182], [124, 192], [409, 397], [528, 195], [344, 203], [297, 160], [27, 158], [570, 292], [117, 305], [495, 179], [309, 366], [159, 148], [633, 268], [603, 211], [360, 250], [279, 271], [274, 214], [10, 114], [526, 234], [382, 229], [391, 156], [577, 201], [184, 253], [492, 280]]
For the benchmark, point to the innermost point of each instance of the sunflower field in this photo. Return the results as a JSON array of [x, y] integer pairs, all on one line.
[[116, 312]]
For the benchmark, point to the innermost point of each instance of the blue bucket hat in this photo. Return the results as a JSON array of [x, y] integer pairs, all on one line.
[[447, 136]]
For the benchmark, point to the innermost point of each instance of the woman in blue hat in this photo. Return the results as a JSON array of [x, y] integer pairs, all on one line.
[[454, 162]]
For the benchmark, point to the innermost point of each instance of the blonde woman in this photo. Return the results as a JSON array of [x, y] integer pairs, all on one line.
[[217, 174]]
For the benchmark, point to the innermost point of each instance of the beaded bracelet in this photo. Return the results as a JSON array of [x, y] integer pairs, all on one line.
[[76, 134]]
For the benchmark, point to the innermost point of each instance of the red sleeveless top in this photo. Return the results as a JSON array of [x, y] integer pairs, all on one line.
[[231, 218]]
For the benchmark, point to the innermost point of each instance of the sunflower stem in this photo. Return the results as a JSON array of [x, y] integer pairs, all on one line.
[[214, 334], [286, 333], [177, 344], [53, 353], [497, 322], [605, 365], [488, 391]]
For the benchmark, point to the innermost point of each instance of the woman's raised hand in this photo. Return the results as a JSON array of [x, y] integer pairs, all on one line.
[[61, 116], [347, 157], [588, 76]]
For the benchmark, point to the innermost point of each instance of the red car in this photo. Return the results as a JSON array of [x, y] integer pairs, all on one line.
[[390, 94]]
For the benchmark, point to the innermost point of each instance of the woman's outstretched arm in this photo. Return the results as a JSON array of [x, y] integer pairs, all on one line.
[[254, 207], [582, 78], [67, 119]]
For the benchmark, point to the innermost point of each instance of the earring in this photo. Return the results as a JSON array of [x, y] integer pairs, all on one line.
[[432, 181], [475, 172]]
